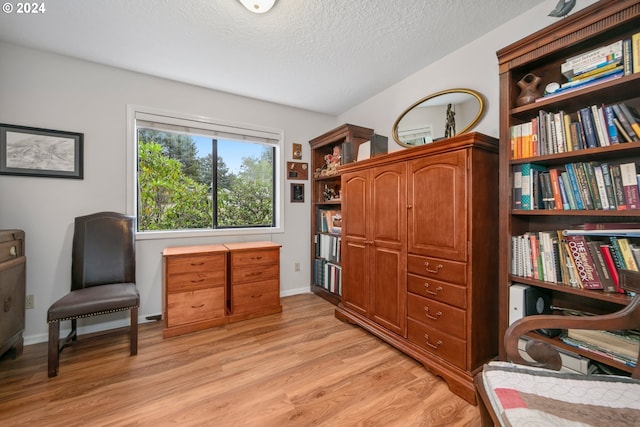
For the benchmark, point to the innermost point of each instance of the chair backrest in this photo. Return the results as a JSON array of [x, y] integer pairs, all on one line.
[[103, 250]]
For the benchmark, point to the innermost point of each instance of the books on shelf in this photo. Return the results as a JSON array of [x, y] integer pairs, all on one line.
[[586, 257], [327, 275], [589, 127], [329, 220], [576, 186], [593, 59], [625, 343]]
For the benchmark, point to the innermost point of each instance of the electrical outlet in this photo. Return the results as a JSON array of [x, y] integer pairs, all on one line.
[[29, 301], [296, 266]]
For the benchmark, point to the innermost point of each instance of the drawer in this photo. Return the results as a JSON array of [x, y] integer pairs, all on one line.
[[195, 264], [261, 257], [248, 297], [255, 273], [438, 290], [443, 317], [434, 268], [193, 281], [445, 346], [11, 244], [195, 306]]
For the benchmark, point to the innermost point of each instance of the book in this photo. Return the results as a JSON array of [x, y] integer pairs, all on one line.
[[517, 186], [603, 352], [630, 185], [554, 178], [618, 188], [585, 266], [624, 343], [607, 255], [608, 185], [627, 56], [583, 185], [612, 131], [635, 52], [625, 123], [627, 254], [607, 66], [566, 185], [577, 82], [575, 188], [632, 117], [586, 121], [611, 225], [602, 191], [592, 184], [595, 58], [527, 184], [601, 267]]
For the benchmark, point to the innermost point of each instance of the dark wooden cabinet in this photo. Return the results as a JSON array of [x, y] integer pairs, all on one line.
[[374, 255], [12, 291], [419, 253], [542, 54]]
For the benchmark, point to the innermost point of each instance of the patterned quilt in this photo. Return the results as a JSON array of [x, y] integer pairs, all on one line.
[[527, 396]]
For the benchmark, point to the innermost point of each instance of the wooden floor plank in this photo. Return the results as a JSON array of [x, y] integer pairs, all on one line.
[[301, 367]]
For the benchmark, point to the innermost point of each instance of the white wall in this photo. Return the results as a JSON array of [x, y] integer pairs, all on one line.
[[49, 91], [474, 66]]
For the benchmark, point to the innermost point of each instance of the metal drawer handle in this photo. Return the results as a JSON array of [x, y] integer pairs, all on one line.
[[198, 280], [426, 313], [436, 292], [436, 345], [257, 273], [256, 296], [197, 306], [197, 263], [258, 258], [437, 269], [13, 251]]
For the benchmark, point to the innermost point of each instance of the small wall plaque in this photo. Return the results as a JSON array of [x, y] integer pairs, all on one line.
[[297, 170]]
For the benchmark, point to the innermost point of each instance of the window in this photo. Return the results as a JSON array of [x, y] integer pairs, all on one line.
[[195, 174]]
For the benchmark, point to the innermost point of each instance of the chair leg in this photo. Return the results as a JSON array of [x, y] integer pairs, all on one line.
[[133, 332], [74, 330], [54, 351]]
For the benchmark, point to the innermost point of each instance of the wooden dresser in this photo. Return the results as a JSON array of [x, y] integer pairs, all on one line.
[[211, 285], [195, 286], [419, 259], [254, 270], [12, 291]]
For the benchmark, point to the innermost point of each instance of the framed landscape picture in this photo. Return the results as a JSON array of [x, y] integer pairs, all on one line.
[[31, 151]]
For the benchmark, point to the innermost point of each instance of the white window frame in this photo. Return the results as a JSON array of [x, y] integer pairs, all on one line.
[[201, 122]]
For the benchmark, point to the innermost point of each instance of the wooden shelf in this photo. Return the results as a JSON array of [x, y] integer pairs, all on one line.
[[542, 54]]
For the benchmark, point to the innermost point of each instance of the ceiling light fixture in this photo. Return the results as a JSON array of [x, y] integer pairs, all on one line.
[[258, 6]]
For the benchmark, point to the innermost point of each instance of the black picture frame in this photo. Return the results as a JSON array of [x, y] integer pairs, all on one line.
[[297, 193], [29, 151]]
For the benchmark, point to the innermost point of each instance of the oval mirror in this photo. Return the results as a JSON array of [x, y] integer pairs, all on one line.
[[440, 115]]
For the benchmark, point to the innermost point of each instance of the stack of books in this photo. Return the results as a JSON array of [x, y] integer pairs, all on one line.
[[621, 346], [605, 62]]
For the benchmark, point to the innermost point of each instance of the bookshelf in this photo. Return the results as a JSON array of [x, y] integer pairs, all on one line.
[[542, 54], [326, 270]]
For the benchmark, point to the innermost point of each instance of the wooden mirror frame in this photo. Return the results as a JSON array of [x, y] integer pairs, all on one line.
[[467, 127]]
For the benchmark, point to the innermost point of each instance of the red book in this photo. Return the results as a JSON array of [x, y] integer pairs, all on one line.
[[585, 267], [611, 266]]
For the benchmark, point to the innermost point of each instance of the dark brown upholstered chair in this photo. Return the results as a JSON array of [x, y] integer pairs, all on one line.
[[103, 275], [517, 394]]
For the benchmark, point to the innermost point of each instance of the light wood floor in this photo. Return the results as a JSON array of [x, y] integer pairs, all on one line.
[[302, 367]]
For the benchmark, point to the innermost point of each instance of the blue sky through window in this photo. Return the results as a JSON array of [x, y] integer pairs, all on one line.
[[231, 152]]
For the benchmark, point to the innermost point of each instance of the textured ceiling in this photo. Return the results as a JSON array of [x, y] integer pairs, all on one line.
[[321, 55]]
